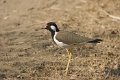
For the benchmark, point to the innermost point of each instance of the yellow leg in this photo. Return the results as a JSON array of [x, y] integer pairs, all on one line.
[[69, 59]]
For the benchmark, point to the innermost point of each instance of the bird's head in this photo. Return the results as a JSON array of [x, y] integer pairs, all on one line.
[[52, 27]]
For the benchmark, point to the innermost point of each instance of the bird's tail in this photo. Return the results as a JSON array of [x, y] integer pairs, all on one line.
[[95, 41]]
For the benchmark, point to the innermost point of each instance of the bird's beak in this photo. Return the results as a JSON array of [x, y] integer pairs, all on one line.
[[43, 28]]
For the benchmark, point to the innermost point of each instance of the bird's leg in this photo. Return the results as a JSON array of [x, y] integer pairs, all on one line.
[[69, 59]]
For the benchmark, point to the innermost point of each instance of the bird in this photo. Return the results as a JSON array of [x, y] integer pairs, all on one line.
[[67, 40]]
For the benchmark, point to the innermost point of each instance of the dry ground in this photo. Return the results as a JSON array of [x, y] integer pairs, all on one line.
[[27, 53]]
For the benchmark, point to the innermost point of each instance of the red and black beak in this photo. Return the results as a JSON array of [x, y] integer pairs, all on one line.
[[43, 28]]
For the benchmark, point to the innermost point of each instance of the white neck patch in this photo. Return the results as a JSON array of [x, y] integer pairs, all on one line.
[[53, 28]]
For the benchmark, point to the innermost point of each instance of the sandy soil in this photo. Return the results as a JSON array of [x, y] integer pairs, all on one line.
[[27, 52]]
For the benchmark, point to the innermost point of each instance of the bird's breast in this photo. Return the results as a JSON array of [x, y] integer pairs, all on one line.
[[60, 44]]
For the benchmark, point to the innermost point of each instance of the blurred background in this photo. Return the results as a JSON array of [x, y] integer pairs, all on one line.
[[27, 52]]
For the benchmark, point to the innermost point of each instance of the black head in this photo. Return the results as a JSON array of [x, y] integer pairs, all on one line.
[[52, 27]]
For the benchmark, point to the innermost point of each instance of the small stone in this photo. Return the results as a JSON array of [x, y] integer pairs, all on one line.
[[73, 77]]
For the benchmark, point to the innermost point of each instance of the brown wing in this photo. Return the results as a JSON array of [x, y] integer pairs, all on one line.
[[71, 38]]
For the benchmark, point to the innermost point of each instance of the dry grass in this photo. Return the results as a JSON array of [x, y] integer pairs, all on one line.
[[27, 53]]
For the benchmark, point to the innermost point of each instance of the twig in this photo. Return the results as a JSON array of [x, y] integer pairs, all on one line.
[[112, 16]]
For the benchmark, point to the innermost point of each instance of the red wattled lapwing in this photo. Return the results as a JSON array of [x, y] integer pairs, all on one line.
[[67, 40]]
